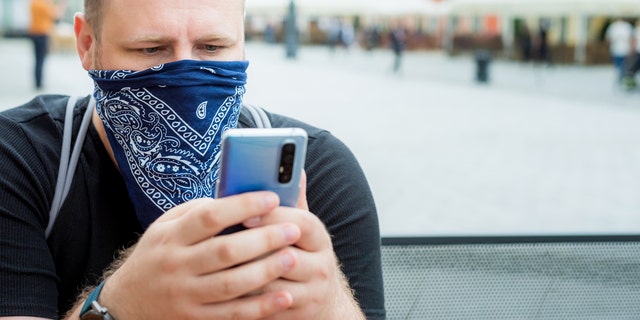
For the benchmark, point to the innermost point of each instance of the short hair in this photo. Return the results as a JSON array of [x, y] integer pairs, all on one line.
[[93, 10]]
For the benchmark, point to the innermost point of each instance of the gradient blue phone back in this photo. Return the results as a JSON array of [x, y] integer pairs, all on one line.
[[251, 161]]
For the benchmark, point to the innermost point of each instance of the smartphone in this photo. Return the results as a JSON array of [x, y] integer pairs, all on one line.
[[262, 159]]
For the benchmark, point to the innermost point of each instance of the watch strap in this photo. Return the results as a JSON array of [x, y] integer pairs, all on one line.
[[93, 296]]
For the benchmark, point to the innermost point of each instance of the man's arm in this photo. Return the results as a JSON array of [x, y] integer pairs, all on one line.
[[344, 303], [339, 194]]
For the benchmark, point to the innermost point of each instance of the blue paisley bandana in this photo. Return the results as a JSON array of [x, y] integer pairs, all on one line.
[[164, 125]]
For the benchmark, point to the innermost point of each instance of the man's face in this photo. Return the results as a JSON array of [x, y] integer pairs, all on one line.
[[139, 34]]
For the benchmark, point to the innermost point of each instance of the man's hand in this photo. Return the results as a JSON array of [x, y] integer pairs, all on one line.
[[316, 283], [181, 270]]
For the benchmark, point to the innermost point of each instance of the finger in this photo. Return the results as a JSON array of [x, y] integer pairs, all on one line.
[[241, 280], [309, 266], [255, 307], [178, 211], [302, 197], [314, 234], [208, 217], [222, 252], [301, 296], [304, 301], [310, 295]]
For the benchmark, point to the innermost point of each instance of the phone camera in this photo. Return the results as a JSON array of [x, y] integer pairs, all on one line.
[[286, 163], [289, 148]]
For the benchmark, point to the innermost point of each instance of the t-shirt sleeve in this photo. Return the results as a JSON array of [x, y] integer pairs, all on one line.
[[28, 283], [338, 192]]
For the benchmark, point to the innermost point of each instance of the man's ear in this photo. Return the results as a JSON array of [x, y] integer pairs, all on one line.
[[85, 40]]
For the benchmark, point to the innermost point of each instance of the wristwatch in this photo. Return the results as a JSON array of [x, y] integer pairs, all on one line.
[[92, 310]]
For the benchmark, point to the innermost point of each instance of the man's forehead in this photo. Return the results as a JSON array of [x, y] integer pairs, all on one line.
[[201, 4], [165, 12]]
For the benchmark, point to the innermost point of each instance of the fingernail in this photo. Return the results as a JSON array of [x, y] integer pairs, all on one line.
[[283, 301], [269, 200], [287, 260], [253, 222], [291, 233]]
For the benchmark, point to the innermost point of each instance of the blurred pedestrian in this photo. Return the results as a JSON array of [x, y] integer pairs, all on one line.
[[270, 33], [347, 34], [398, 37], [372, 37], [44, 14], [525, 43], [544, 54], [619, 35], [634, 64], [334, 33]]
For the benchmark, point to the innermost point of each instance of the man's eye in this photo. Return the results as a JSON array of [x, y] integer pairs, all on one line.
[[211, 48], [151, 50]]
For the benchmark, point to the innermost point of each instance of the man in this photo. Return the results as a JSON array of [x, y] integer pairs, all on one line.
[[44, 13], [634, 65], [619, 36], [163, 69], [544, 53], [525, 42], [398, 35]]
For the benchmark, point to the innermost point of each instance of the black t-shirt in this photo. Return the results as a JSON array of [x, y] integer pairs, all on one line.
[[42, 277]]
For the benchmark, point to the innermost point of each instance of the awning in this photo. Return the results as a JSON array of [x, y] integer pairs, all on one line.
[[349, 7], [307, 7], [407, 7], [548, 8]]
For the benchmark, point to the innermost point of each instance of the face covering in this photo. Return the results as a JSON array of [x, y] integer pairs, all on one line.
[[164, 125]]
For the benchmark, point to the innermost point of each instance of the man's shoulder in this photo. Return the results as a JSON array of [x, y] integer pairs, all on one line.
[[320, 139], [51, 106], [39, 121], [281, 121]]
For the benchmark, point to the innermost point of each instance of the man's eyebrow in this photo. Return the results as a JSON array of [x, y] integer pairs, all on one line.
[[215, 38], [150, 38]]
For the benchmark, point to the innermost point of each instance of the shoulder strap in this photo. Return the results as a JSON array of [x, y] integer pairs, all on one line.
[[68, 162], [68, 159], [259, 116]]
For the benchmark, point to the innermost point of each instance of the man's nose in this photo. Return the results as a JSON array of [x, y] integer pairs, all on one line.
[[184, 52]]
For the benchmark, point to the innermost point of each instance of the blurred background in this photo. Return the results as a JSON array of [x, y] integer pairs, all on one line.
[[491, 117], [575, 29]]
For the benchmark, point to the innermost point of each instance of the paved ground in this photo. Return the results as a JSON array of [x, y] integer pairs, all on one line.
[[536, 151]]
